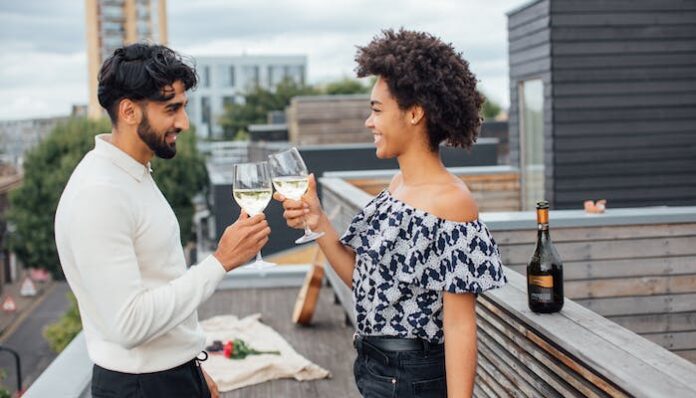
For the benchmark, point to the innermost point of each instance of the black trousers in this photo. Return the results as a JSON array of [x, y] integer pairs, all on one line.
[[406, 373], [185, 381]]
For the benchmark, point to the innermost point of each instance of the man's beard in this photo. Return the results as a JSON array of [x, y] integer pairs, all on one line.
[[156, 142]]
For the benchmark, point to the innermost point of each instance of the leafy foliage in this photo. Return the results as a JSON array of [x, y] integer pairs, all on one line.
[[48, 168], [62, 332], [46, 172], [257, 103], [490, 109], [4, 393], [180, 179], [346, 86]]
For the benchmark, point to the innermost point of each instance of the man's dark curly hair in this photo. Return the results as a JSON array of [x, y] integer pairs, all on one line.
[[141, 71], [420, 69]]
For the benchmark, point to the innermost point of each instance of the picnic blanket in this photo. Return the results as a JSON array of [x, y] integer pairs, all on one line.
[[231, 374]]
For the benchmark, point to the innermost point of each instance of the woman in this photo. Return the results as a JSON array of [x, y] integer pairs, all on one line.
[[416, 256]]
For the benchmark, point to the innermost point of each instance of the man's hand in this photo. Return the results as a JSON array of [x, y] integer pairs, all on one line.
[[242, 240], [212, 386]]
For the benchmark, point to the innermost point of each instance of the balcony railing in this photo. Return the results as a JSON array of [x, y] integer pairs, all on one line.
[[634, 266], [577, 352]]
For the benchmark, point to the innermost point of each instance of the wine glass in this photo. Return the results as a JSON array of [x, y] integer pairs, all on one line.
[[252, 190], [291, 179]]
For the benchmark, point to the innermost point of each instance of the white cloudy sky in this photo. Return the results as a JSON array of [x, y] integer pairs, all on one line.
[[43, 67]]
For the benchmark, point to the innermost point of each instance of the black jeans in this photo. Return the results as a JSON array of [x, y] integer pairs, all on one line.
[[403, 374], [185, 381]]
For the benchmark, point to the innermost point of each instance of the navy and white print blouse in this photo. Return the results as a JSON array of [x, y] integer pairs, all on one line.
[[406, 258]]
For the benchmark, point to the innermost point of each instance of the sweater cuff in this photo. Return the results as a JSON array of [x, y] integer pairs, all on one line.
[[212, 268]]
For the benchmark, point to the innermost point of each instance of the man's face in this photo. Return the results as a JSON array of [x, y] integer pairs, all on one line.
[[162, 122]]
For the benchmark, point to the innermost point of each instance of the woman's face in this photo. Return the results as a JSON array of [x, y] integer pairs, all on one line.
[[387, 122]]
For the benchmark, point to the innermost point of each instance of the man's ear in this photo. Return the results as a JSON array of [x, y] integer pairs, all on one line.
[[129, 111]]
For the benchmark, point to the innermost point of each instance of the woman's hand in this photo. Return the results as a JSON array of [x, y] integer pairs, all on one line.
[[304, 212]]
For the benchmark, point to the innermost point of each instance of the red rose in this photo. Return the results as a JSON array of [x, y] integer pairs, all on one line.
[[228, 350]]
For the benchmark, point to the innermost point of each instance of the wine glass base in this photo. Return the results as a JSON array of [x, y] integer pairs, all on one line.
[[309, 237], [260, 265]]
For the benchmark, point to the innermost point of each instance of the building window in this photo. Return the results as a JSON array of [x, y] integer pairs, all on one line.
[[206, 76], [531, 94], [276, 74], [251, 76], [231, 76], [227, 101], [295, 72], [205, 117], [205, 110]]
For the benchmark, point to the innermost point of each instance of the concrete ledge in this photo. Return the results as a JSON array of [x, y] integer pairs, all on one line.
[[69, 375], [578, 218], [525, 220], [472, 170], [280, 276]]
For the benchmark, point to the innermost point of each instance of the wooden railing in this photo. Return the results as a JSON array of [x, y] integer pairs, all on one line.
[[641, 275], [576, 352], [495, 188]]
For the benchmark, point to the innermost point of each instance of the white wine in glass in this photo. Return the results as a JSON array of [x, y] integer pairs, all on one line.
[[252, 189], [291, 179]]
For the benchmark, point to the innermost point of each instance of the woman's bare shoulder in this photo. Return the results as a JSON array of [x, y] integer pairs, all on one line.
[[454, 202]]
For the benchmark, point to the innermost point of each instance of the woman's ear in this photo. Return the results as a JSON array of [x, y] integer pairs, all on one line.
[[416, 114]]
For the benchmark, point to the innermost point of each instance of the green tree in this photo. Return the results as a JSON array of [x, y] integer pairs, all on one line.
[[180, 179], [60, 333], [46, 172], [346, 86], [490, 109], [257, 103]]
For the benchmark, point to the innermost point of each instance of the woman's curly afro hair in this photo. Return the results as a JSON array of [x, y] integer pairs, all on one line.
[[420, 69]]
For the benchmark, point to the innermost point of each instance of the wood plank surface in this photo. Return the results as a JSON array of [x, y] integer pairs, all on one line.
[[327, 342]]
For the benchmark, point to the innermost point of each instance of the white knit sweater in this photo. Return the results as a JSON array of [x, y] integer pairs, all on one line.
[[118, 242]]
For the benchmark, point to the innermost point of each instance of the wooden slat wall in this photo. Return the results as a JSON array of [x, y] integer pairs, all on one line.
[[493, 192], [642, 277], [529, 55], [624, 102], [620, 98], [328, 119]]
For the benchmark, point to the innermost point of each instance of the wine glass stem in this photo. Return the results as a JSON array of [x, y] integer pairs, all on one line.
[[307, 231], [259, 259]]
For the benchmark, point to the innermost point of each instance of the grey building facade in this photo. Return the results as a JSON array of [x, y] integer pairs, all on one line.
[[223, 80], [603, 101]]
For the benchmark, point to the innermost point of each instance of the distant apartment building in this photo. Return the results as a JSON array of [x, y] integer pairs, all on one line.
[[113, 23], [223, 80]]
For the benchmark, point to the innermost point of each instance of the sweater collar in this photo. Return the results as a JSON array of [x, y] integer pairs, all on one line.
[[104, 147]]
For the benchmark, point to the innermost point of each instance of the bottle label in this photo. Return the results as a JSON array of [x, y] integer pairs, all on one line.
[[541, 288], [541, 280]]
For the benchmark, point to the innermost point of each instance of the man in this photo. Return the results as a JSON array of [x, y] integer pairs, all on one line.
[[118, 238]]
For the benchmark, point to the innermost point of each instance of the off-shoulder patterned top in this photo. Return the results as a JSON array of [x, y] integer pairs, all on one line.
[[406, 258]]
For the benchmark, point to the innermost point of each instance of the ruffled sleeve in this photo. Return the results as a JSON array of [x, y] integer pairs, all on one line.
[[413, 247], [365, 225], [453, 257]]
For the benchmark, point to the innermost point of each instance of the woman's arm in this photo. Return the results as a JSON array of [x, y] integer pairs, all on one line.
[[308, 212], [460, 343]]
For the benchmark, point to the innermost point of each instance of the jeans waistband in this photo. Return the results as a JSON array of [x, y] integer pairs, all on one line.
[[397, 344], [380, 347]]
